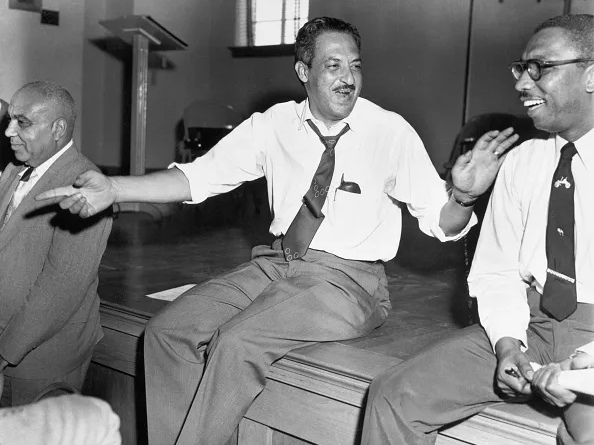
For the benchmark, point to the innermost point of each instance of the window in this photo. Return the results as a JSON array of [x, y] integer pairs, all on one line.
[[269, 22]]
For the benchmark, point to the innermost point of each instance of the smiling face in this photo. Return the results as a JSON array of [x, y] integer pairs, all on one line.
[[561, 100], [334, 79], [33, 129]]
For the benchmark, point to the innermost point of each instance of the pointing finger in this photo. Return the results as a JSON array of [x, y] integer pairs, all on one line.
[[58, 192]]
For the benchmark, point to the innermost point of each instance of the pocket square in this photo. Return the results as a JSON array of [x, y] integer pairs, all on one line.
[[348, 186]]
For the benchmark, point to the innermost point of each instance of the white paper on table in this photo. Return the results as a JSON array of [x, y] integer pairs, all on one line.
[[171, 294], [577, 380]]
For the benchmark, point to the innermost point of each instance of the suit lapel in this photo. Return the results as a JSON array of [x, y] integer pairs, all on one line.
[[54, 177], [8, 184]]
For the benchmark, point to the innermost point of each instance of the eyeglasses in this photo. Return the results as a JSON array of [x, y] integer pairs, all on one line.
[[535, 66]]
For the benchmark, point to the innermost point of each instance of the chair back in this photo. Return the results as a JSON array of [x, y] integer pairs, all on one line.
[[483, 123], [206, 123]]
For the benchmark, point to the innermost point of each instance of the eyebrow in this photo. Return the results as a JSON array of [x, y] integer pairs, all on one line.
[[339, 59], [19, 116]]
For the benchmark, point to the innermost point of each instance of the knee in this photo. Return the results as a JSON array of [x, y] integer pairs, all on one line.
[[232, 342], [156, 326], [583, 437], [385, 388]]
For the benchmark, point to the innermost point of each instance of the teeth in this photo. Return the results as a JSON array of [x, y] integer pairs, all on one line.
[[533, 102]]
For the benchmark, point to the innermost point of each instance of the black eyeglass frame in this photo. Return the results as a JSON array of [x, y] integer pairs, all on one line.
[[541, 64]]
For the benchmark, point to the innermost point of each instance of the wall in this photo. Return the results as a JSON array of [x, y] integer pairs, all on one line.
[[31, 51], [500, 32], [414, 56], [106, 85], [417, 71]]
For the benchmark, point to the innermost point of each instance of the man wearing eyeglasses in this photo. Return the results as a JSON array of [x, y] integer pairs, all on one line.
[[533, 271]]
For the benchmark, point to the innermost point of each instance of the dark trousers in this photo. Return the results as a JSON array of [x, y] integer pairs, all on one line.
[[18, 391], [207, 353], [454, 379]]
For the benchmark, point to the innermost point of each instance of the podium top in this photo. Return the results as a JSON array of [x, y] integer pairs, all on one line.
[[159, 38]]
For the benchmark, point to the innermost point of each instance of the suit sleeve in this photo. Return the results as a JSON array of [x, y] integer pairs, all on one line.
[[69, 271]]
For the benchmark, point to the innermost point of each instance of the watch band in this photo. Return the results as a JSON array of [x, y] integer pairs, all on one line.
[[465, 204]]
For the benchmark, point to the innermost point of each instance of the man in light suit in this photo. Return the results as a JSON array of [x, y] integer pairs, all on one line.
[[49, 259]]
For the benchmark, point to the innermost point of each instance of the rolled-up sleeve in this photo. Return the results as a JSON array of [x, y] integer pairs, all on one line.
[[239, 157], [417, 184]]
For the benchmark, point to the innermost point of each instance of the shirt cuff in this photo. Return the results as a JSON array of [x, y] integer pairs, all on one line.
[[197, 188], [438, 233], [495, 335]]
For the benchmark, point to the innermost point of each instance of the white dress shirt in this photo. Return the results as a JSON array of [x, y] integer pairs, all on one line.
[[510, 255], [381, 152]]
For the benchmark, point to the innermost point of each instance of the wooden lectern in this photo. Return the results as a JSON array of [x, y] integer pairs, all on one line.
[[144, 34]]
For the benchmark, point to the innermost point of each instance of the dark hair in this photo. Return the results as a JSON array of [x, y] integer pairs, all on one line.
[[305, 42], [579, 28], [52, 92]]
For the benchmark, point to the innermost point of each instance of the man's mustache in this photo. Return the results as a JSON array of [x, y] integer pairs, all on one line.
[[349, 87]]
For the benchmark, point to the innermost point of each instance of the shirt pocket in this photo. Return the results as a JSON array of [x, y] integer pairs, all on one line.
[[350, 210]]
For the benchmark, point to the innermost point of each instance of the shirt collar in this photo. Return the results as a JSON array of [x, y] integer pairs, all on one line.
[[306, 114], [584, 147], [41, 169]]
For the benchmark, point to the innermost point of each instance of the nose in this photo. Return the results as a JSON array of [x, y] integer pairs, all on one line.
[[11, 129], [347, 76], [524, 83]]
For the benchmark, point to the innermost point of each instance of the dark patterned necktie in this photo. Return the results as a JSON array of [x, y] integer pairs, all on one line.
[[310, 216], [27, 174], [559, 297], [12, 205]]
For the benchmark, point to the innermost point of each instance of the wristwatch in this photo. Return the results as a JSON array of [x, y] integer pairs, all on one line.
[[465, 204]]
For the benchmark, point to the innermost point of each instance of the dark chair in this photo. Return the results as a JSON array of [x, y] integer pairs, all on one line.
[[205, 123], [467, 137]]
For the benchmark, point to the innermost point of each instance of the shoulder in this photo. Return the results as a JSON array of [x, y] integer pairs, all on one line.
[[379, 119], [283, 111], [526, 156], [74, 163]]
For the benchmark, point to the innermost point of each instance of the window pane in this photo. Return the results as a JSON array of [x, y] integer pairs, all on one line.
[[291, 28], [267, 33], [268, 10], [296, 9]]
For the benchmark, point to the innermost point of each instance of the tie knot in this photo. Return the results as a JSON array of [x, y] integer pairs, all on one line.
[[568, 151], [328, 141], [25, 177]]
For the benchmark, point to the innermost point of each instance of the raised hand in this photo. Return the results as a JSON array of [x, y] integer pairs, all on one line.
[[91, 193], [474, 171]]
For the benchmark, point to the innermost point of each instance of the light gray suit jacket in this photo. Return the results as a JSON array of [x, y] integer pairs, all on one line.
[[49, 261]]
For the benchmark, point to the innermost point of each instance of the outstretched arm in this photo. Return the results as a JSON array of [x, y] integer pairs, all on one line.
[[472, 175], [93, 192]]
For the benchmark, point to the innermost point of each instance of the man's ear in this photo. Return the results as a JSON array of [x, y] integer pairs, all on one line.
[[59, 128], [590, 79], [302, 71]]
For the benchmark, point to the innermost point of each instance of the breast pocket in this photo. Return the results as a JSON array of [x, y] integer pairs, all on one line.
[[350, 210]]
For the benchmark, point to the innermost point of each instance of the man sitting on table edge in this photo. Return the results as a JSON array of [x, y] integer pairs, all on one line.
[[207, 353], [532, 273], [49, 260]]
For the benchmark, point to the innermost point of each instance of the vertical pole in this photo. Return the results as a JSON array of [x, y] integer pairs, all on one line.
[[566, 6], [139, 98], [465, 98]]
